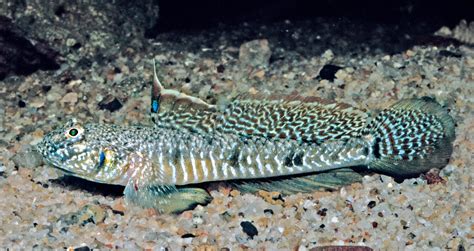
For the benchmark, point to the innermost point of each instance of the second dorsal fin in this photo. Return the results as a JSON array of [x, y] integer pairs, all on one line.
[[297, 118]]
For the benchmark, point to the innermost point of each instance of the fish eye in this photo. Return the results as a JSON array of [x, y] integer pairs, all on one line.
[[73, 132]]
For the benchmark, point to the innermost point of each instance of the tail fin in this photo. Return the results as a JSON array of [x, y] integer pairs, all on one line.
[[411, 137]]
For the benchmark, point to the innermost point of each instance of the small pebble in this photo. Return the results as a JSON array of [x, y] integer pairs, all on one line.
[[71, 98], [28, 157], [70, 42], [255, 53]]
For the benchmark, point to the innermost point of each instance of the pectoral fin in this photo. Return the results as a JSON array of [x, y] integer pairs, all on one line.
[[166, 199], [146, 189]]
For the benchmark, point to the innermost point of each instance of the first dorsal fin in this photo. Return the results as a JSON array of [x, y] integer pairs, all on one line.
[[172, 108], [163, 99]]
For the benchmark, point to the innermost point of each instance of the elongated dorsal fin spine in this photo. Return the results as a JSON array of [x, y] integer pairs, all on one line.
[[161, 94], [156, 90]]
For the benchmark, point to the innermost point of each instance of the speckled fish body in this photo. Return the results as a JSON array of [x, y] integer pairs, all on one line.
[[247, 139]]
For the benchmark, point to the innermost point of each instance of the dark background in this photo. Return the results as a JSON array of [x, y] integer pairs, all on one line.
[[191, 15]]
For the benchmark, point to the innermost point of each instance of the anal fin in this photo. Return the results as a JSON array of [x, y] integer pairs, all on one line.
[[331, 180]]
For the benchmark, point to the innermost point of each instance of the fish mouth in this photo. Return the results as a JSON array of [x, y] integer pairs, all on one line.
[[56, 166], [68, 172]]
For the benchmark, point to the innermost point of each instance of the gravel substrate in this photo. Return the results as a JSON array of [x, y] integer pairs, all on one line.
[[368, 66]]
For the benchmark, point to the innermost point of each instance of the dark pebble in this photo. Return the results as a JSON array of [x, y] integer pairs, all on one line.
[[278, 197], [372, 204], [220, 68], [64, 230], [322, 212], [328, 72], [21, 104], [60, 10], [42, 184], [341, 248], [83, 248], [77, 46], [268, 211], [118, 212], [112, 106], [374, 224], [446, 53], [249, 229], [46, 88], [188, 235]]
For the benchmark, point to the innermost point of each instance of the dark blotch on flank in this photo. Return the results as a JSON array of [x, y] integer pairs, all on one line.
[[377, 148], [289, 159], [298, 159], [234, 158]]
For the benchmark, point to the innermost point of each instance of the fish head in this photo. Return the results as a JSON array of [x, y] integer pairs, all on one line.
[[92, 151]]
